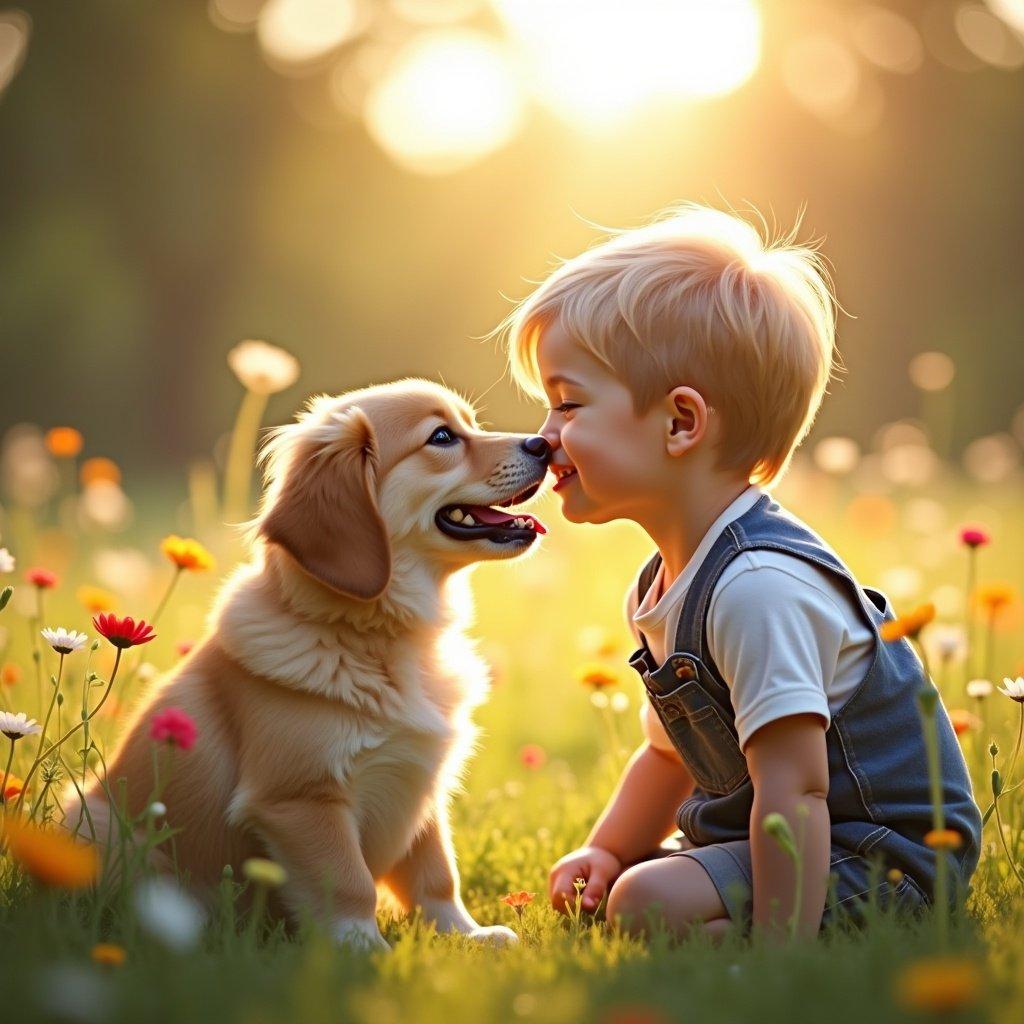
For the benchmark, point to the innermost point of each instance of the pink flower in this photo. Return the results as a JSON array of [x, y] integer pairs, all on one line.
[[533, 756], [42, 578], [184, 647], [174, 727], [974, 536]]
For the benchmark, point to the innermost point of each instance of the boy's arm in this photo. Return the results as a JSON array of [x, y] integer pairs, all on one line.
[[788, 767]]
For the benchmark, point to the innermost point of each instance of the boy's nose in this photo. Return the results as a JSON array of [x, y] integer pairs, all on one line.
[[538, 447]]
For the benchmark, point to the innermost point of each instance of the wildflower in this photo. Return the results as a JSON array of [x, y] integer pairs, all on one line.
[[1014, 689], [974, 536], [943, 839], [518, 901], [108, 954], [10, 674], [157, 809], [14, 726], [6, 561], [51, 856], [173, 726], [95, 599], [124, 632], [261, 871], [532, 756], [263, 368], [168, 914], [186, 553], [994, 597], [41, 578], [596, 676], [940, 984], [64, 442], [909, 625], [64, 641], [963, 721], [99, 470], [12, 788], [979, 689]]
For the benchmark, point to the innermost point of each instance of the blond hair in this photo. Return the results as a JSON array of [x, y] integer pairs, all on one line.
[[698, 297]]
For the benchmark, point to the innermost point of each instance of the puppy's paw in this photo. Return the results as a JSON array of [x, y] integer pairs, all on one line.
[[495, 935], [357, 934]]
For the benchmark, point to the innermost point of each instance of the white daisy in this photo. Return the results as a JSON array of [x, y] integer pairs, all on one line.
[[168, 913], [14, 726], [1014, 689], [64, 641], [979, 689], [6, 561], [263, 368]]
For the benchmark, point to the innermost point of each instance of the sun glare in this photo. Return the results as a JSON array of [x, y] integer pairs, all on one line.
[[595, 62], [447, 101]]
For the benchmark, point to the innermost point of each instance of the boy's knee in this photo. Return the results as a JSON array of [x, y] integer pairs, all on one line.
[[633, 899]]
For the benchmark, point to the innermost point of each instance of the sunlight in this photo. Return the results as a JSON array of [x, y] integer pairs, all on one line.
[[298, 31], [595, 63], [448, 100]]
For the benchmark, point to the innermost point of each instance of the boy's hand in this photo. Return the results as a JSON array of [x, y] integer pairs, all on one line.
[[597, 867]]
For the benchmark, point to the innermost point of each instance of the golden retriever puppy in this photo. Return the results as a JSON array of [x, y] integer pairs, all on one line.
[[333, 687]]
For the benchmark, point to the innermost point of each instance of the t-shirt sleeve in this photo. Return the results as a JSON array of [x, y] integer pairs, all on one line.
[[776, 639]]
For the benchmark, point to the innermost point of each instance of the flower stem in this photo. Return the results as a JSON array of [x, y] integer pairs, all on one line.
[[7, 772], [238, 475], [49, 711], [167, 596], [972, 569]]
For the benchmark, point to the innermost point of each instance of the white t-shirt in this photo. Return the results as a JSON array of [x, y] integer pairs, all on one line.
[[785, 635]]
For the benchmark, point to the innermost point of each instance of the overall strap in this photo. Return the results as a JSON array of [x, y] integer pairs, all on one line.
[[647, 574]]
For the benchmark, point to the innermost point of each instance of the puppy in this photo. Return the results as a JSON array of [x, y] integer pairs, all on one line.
[[333, 688]]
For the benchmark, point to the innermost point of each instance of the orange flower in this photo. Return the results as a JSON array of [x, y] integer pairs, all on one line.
[[943, 839], [108, 954], [51, 856], [963, 721], [596, 676], [186, 553], [12, 789], [10, 674], [95, 599], [64, 442], [940, 984], [518, 901], [99, 470], [909, 625], [994, 597]]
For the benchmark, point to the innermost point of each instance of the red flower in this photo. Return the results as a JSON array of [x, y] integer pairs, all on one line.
[[42, 578], [173, 726], [532, 756], [124, 633], [974, 536]]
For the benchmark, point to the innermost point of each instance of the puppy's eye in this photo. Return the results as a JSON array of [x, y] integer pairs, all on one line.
[[443, 437]]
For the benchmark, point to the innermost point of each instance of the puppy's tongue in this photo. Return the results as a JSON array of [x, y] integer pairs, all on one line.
[[494, 517]]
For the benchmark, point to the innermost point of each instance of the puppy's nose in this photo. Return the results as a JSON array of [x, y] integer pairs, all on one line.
[[538, 447]]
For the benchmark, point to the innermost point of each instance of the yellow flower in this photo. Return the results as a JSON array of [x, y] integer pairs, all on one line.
[[943, 839], [909, 625], [994, 597], [95, 599], [186, 553], [99, 470], [108, 954], [895, 876], [64, 442], [596, 676], [264, 872], [939, 984], [51, 856]]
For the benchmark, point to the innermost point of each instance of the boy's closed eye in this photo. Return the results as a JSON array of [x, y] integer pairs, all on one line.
[[564, 407]]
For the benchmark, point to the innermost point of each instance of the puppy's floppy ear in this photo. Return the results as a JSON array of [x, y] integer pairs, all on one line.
[[325, 512]]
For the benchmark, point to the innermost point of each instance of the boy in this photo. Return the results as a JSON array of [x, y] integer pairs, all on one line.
[[683, 363]]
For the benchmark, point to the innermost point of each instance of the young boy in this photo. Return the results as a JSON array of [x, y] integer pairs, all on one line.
[[683, 363]]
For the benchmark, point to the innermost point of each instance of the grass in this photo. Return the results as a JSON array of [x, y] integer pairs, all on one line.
[[537, 621]]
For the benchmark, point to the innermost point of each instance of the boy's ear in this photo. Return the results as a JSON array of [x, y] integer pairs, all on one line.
[[686, 419]]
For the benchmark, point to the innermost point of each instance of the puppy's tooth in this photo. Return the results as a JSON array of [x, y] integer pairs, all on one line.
[[469, 521], [455, 514]]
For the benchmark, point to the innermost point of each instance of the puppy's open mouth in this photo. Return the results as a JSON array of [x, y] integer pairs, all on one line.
[[486, 522]]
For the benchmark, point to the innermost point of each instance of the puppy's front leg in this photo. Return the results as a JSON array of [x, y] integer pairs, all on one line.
[[317, 843], [427, 878]]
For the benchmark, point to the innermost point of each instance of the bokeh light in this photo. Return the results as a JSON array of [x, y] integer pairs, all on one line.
[[932, 371], [594, 63], [300, 31], [887, 39], [838, 455], [992, 459], [988, 37], [15, 28], [821, 73], [448, 100]]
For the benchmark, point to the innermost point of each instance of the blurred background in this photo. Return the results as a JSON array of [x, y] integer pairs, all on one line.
[[368, 183]]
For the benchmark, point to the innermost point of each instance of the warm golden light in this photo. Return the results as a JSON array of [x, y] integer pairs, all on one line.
[[988, 37], [14, 33], [447, 101], [887, 39], [299, 31], [595, 62]]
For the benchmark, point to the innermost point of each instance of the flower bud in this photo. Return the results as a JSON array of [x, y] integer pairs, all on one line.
[[997, 782], [993, 749], [5, 596], [156, 809]]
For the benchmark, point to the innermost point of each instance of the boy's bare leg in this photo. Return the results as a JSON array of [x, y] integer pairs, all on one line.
[[675, 892]]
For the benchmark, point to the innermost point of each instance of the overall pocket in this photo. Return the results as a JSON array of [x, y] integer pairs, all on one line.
[[701, 734]]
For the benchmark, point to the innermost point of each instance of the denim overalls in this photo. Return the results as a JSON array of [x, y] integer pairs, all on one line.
[[878, 796]]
